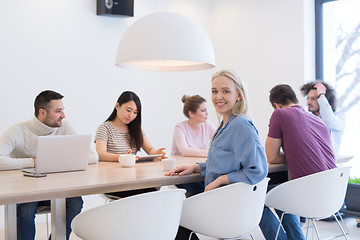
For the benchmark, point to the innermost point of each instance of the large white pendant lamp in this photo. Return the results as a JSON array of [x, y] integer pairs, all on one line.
[[165, 41]]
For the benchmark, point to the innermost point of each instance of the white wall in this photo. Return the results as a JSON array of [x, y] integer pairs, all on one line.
[[64, 46], [264, 41]]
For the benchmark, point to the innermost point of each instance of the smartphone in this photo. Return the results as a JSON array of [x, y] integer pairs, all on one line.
[[36, 175]]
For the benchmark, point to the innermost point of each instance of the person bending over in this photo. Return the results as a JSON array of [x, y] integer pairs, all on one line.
[[306, 144]]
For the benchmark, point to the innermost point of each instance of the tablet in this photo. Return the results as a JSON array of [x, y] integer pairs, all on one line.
[[148, 158]]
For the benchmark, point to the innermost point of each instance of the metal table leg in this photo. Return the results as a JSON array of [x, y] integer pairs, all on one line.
[[58, 219], [10, 222]]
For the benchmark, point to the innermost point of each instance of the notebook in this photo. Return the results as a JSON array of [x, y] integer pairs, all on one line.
[[62, 153]]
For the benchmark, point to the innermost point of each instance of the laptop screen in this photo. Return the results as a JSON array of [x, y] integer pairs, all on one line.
[[62, 153]]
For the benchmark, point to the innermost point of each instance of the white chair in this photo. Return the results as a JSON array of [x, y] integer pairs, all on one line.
[[231, 211], [315, 196], [154, 215]]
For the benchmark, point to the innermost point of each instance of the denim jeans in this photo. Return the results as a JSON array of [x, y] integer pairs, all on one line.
[[269, 224], [26, 216]]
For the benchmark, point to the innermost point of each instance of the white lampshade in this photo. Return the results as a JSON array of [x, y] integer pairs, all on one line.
[[165, 41]]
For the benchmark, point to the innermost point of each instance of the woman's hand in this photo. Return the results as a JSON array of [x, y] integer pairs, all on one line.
[[159, 151], [129, 152], [182, 170], [151, 151], [220, 181]]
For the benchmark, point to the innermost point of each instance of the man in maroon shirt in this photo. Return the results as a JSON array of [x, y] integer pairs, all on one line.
[[307, 149]]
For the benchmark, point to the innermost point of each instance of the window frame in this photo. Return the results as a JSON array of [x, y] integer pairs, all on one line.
[[319, 48]]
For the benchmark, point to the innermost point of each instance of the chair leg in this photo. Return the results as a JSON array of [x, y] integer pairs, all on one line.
[[344, 233], [252, 237], [346, 229], [342, 230], [307, 228], [278, 230], [190, 235], [242, 237], [316, 230], [47, 225], [310, 227]]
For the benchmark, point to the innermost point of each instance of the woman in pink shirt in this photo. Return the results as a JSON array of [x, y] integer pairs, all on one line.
[[191, 137]]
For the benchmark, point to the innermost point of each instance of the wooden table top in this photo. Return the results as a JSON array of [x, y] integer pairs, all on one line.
[[98, 178]]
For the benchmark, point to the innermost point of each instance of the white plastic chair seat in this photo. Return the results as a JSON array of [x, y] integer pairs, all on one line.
[[315, 196], [230, 211], [154, 215]]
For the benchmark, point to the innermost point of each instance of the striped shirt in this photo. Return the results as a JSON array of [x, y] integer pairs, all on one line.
[[116, 142]]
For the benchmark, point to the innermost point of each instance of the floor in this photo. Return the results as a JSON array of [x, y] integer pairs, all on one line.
[[326, 229]]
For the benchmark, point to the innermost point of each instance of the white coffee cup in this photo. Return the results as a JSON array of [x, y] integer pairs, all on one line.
[[127, 160], [169, 163]]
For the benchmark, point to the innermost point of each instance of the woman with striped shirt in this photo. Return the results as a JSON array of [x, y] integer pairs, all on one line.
[[121, 133]]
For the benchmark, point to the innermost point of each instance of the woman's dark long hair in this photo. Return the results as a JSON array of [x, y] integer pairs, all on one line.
[[135, 132]]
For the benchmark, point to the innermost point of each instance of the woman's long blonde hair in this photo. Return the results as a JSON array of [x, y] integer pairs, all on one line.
[[241, 107]]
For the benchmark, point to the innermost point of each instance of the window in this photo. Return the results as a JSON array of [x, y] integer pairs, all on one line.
[[338, 62]]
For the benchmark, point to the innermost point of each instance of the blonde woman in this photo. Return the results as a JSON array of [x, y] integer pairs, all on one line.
[[235, 153]]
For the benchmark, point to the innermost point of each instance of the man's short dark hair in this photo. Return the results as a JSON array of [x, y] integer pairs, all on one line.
[[330, 92], [43, 99], [282, 94]]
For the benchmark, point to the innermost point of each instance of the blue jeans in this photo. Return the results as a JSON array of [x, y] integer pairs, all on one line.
[[26, 216], [269, 224]]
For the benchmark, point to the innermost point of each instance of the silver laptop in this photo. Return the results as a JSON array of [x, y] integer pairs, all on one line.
[[61, 153]]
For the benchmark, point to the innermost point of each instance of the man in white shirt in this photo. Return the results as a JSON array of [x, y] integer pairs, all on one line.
[[321, 100], [18, 146]]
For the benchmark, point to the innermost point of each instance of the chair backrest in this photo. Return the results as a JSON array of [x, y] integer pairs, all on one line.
[[314, 196], [227, 212], [154, 215]]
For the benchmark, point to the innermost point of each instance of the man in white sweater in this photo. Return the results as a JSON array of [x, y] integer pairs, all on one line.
[[18, 147]]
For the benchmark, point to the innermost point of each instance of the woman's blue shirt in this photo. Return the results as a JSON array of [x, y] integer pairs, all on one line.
[[236, 150]]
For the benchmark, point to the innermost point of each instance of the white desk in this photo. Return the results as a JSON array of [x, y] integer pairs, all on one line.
[[98, 178]]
